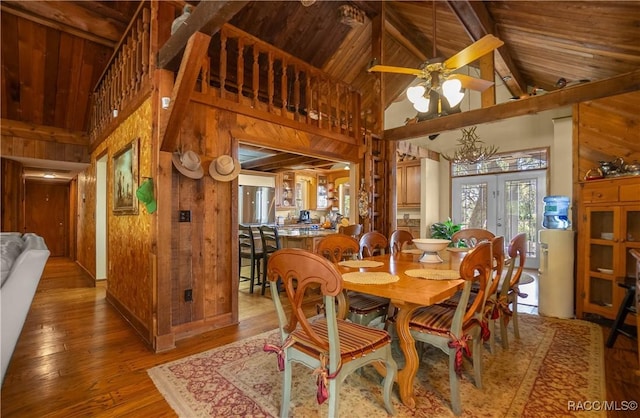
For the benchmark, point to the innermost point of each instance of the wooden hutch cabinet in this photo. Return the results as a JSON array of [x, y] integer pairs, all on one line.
[[609, 225], [408, 186]]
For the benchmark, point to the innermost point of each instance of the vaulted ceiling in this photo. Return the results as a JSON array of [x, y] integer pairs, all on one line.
[[53, 53]]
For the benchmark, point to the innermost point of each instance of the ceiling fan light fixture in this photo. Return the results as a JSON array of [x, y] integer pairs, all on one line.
[[415, 93], [421, 105], [451, 91]]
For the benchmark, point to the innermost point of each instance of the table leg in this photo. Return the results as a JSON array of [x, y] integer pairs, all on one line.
[[407, 344]]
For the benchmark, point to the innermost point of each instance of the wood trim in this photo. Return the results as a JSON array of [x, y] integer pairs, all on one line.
[[139, 326], [623, 83], [185, 81]]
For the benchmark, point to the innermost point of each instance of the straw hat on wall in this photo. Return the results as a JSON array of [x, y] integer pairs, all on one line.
[[224, 168], [188, 163]]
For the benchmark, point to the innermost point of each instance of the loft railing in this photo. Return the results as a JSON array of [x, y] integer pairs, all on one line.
[[249, 71], [126, 75], [241, 69]]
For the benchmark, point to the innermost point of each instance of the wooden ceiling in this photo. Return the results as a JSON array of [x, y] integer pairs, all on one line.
[[54, 52]]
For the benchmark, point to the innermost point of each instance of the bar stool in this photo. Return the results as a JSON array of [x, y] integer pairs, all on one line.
[[248, 250], [627, 306], [270, 244]]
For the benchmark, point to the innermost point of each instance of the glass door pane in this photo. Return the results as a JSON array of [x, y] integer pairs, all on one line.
[[472, 206], [520, 209], [505, 204]]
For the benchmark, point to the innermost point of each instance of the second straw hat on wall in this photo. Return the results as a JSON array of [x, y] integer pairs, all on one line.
[[224, 168]]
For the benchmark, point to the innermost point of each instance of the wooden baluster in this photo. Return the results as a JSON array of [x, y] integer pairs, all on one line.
[[310, 99], [256, 75], [223, 64], [355, 114], [270, 78], [339, 101], [139, 53], [240, 66], [296, 90], [146, 38], [284, 85], [205, 71]]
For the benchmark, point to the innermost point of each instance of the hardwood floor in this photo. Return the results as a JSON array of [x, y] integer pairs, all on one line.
[[78, 357]]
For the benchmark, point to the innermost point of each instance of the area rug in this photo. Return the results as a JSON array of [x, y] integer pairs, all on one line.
[[554, 369]]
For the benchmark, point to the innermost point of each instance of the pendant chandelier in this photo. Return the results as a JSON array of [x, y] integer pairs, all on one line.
[[471, 149]]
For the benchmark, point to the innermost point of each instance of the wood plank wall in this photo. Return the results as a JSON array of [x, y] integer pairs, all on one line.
[[12, 195], [129, 277], [605, 129]]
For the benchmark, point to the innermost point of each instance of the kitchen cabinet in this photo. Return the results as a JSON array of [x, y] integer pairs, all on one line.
[[322, 201], [408, 184], [285, 183], [609, 225]]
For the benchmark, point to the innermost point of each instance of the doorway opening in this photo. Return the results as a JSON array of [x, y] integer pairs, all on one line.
[[101, 218]]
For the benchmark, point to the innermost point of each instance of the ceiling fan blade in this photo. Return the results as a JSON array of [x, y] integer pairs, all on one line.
[[472, 83], [400, 70], [474, 51]]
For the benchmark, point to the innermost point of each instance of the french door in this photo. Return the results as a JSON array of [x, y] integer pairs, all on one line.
[[506, 204]]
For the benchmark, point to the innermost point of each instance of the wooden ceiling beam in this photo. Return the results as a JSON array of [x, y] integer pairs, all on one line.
[[25, 130], [477, 22], [613, 86], [207, 18], [70, 18], [188, 73]]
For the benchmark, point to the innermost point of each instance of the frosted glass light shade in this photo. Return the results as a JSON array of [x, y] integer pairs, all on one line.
[[415, 93], [451, 91], [421, 105]]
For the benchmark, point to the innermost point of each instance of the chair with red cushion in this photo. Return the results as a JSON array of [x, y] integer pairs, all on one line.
[[508, 290], [332, 347], [453, 328]]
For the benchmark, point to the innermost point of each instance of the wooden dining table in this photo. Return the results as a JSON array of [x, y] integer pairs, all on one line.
[[408, 294]]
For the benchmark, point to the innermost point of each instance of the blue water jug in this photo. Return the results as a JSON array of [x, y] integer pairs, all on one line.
[[556, 211]]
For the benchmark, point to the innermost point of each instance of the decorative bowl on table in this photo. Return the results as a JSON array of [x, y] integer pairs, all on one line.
[[430, 248]]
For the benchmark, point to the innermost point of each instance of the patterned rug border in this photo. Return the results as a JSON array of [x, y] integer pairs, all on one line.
[[530, 386]]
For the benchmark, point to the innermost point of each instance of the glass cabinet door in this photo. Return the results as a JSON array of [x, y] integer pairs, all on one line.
[[602, 263]]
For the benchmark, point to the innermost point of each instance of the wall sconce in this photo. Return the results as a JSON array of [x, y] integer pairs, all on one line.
[[166, 101], [115, 113]]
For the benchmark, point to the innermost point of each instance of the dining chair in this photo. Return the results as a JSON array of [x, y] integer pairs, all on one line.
[[332, 347], [354, 230], [453, 329], [508, 290], [471, 236], [373, 243], [270, 244], [398, 239], [248, 250], [362, 308], [628, 305]]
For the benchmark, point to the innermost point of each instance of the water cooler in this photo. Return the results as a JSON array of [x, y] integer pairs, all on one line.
[[556, 291]]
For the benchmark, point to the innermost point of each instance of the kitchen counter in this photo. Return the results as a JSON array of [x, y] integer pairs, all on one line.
[[306, 239]]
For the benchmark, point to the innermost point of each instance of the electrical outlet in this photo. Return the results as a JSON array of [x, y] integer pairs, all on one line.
[[188, 295], [185, 216]]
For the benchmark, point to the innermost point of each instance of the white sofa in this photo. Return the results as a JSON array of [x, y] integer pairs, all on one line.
[[22, 260]]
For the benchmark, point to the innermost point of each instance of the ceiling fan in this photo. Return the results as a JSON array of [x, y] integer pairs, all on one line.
[[438, 76]]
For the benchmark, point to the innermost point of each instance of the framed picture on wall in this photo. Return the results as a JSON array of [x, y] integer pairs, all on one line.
[[125, 180]]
